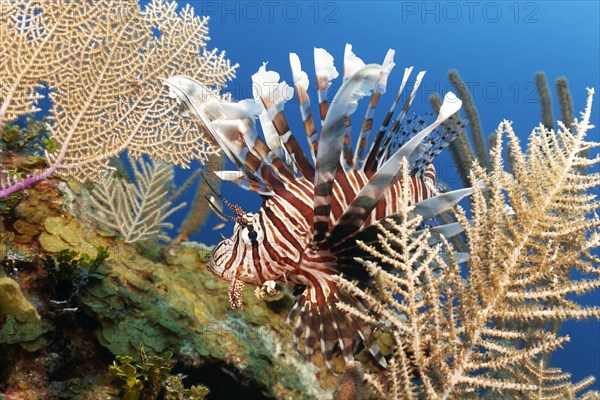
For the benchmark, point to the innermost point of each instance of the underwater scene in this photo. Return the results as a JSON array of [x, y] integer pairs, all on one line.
[[299, 200]]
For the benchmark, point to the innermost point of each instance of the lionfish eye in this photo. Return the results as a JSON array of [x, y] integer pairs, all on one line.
[[250, 236]]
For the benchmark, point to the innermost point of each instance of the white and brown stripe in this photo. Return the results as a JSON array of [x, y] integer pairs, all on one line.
[[286, 221]]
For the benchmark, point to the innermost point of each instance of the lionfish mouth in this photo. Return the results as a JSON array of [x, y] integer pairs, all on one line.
[[209, 261], [211, 267]]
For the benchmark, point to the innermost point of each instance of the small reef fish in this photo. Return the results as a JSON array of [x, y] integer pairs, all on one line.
[[318, 204], [218, 226]]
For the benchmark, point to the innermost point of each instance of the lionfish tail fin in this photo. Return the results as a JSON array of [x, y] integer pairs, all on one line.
[[325, 328]]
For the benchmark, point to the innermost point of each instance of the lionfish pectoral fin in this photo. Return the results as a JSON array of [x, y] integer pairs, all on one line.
[[347, 250], [206, 108], [370, 162], [383, 152], [327, 329], [447, 230], [436, 205]]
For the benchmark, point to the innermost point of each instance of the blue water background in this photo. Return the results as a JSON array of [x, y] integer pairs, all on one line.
[[497, 47]]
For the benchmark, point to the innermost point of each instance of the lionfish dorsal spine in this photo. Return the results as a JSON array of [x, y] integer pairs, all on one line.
[[204, 105], [352, 63], [330, 148], [325, 72], [272, 97], [367, 125], [369, 196], [236, 127], [370, 164], [282, 170], [301, 84]]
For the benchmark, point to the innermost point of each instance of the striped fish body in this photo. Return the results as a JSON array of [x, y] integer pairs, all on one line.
[[284, 249], [306, 229]]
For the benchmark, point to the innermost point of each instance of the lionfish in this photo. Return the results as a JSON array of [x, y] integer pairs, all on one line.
[[313, 213]]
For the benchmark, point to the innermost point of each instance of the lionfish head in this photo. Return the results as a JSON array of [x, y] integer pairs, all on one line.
[[234, 258]]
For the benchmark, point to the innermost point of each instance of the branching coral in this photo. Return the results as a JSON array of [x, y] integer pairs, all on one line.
[[549, 383], [104, 62], [468, 331], [136, 210]]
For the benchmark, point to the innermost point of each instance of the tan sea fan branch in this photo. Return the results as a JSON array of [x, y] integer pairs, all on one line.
[[483, 328], [136, 210], [104, 62]]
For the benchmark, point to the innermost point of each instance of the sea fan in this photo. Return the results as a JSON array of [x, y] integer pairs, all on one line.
[[103, 62]]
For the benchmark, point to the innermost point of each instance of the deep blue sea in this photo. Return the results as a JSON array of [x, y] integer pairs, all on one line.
[[497, 47]]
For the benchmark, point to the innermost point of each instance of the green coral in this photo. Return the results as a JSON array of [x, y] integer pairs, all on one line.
[[8, 203], [178, 305], [69, 272], [25, 331], [151, 377], [32, 138], [174, 389]]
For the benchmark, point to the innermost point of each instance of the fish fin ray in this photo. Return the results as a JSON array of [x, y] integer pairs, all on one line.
[[369, 196], [330, 146]]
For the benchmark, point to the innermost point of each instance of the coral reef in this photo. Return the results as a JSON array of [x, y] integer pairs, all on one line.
[[67, 273], [168, 304], [94, 314], [12, 301]]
